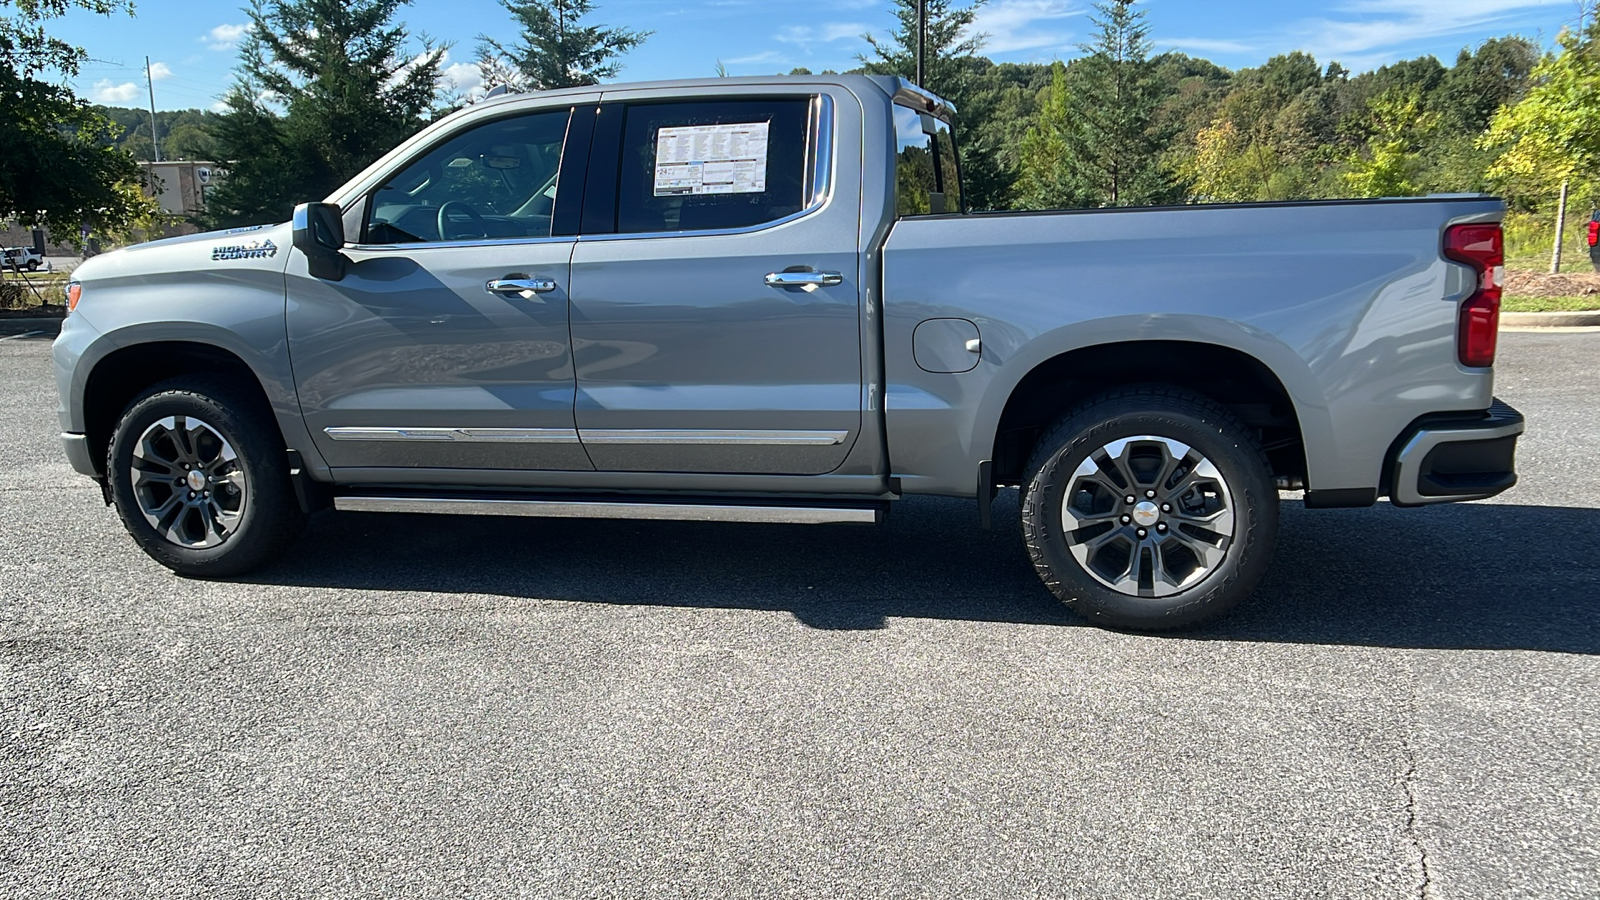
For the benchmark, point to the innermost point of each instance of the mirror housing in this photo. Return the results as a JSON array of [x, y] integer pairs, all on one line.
[[319, 234]]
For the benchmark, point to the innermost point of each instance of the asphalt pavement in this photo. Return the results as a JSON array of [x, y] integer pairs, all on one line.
[[439, 707]]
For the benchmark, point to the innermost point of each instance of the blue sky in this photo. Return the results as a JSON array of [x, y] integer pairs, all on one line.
[[193, 44]]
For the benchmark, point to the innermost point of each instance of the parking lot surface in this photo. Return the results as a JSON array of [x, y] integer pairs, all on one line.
[[442, 707]]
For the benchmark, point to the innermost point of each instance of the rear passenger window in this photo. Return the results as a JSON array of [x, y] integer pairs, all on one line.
[[712, 165]]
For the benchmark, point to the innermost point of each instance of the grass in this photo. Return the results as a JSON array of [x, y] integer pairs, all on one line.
[[46, 288], [1551, 304], [1531, 238]]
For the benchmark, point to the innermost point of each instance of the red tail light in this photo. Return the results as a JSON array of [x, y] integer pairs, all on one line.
[[1483, 248], [1594, 232]]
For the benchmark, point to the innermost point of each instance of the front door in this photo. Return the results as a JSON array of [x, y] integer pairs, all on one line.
[[717, 327], [445, 346]]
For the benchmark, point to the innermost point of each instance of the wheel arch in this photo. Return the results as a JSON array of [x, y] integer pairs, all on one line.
[[1244, 383], [127, 370]]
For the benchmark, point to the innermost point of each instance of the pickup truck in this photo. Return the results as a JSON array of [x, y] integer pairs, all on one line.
[[762, 300]]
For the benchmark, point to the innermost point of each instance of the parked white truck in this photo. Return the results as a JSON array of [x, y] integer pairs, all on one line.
[[761, 300]]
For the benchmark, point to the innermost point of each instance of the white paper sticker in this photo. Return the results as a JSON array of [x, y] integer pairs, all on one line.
[[712, 159]]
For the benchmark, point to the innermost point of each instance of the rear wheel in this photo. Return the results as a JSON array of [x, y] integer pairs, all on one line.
[[1150, 508], [201, 479]]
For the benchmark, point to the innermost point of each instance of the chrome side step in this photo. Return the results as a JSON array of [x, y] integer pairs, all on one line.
[[617, 509]]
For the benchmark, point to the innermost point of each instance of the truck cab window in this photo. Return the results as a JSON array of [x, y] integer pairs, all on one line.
[[497, 180], [710, 165], [927, 178]]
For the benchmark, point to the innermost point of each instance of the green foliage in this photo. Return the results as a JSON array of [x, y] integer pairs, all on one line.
[[185, 133], [554, 50], [1046, 181], [954, 71], [350, 91], [1391, 162], [1553, 133], [1100, 132], [58, 167]]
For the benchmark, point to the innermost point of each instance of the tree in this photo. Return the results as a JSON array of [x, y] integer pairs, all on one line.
[[555, 51], [58, 167], [1044, 181], [1553, 134], [954, 71], [1390, 163], [1113, 147], [350, 91]]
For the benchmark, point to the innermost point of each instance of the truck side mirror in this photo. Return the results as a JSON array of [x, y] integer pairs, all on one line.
[[319, 234]]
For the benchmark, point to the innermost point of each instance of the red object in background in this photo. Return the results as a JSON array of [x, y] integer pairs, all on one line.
[[1483, 248], [1594, 232]]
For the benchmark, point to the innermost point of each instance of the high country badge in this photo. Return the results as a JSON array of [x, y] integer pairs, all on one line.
[[252, 250]]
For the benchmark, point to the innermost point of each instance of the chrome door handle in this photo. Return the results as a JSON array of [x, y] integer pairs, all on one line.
[[520, 287], [811, 280]]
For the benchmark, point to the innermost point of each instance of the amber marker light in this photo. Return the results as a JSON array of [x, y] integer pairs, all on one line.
[[74, 291]]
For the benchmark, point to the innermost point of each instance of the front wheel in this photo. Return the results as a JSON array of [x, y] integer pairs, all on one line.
[[200, 478], [1149, 509]]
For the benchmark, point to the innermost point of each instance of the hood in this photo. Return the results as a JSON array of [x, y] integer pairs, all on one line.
[[256, 247]]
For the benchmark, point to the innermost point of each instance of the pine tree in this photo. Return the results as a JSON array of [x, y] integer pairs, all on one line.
[[555, 50], [954, 71], [350, 90], [1043, 182], [1113, 144]]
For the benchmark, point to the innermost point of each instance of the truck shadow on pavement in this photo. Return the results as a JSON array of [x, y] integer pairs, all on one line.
[[1489, 577]]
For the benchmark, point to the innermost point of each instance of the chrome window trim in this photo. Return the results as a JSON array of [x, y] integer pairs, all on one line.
[[702, 437], [446, 245], [456, 435], [819, 180]]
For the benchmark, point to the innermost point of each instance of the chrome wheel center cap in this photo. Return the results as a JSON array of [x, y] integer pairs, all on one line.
[[1146, 514], [196, 479]]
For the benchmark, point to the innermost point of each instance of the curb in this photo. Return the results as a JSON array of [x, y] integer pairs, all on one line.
[[44, 326], [1588, 319]]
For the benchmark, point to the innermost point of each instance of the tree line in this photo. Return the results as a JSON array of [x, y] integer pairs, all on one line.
[[324, 87]]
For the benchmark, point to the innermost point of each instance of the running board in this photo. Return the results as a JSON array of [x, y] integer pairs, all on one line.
[[618, 509]]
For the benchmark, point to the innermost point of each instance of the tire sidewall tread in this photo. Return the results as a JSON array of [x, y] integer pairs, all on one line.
[[273, 518], [1169, 412]]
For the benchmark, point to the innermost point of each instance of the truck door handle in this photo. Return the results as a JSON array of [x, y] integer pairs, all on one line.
[[809, 280], [520, 286]]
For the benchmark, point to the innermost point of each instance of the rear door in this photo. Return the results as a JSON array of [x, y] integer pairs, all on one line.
[[715, 304]]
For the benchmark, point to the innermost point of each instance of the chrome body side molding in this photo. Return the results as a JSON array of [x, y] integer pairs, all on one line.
[[459, 435], [702, 437]]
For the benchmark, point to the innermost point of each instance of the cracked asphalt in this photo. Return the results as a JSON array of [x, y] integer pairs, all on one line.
[[436, 707]]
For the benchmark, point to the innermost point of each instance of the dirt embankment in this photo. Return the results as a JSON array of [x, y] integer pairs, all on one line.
[[1523, 283]]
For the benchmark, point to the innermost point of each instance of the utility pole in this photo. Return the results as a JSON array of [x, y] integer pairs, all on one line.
[[151, 83], [922, 40], [1561, 225]]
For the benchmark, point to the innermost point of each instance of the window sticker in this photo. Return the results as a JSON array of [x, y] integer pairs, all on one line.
[[712, 159]]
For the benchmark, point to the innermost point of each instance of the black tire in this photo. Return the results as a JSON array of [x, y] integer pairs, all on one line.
[[1182, 418], [33, 265], [268, 516]]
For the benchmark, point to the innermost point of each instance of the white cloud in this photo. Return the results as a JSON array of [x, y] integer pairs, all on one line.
[[1013, 25], [159, 71], [105, 91], [225, 37], [825, 33], [463, 78], [1367, 33], [1203, 45]]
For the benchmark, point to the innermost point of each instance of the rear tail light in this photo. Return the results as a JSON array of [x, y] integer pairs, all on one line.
[[1483, 248], [1594, 232], [74, 293]]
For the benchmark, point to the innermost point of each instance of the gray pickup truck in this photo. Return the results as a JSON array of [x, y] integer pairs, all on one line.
[[762, 300]]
